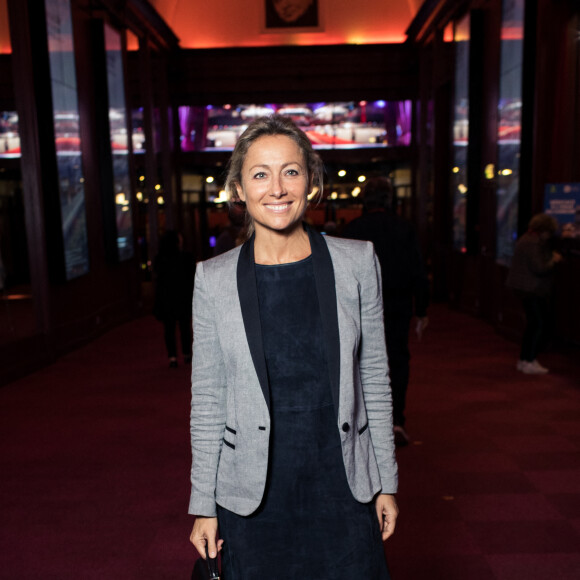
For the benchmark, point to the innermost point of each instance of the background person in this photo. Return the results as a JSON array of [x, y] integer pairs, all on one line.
[[530, 276], [291, 427], [174, 273], [405, 284]]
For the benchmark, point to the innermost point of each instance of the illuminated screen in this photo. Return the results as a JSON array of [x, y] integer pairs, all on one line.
[[328, 125], [9, 136]]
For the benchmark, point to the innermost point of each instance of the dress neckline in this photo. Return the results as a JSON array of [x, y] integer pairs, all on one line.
[[298, 262]]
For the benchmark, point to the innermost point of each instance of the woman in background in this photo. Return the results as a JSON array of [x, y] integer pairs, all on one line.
[[530, 276]]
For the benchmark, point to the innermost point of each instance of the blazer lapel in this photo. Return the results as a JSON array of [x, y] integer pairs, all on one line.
[[326, 290], [248, 294]]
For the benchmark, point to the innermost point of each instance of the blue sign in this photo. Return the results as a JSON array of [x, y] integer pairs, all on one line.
[[562, 200]]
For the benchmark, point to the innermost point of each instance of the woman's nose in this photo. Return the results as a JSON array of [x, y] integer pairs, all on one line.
[[277, 188]]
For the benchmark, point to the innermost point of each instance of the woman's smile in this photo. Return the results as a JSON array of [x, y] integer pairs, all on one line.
[[277, 207]]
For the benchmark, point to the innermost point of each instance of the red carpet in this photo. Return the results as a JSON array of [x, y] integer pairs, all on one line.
[[94, 463]]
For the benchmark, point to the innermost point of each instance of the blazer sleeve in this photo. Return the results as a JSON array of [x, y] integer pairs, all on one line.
[[208, 399], [374, 372]]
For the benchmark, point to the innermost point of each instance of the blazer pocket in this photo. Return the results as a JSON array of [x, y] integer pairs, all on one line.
[[228, 443], [363, 429]]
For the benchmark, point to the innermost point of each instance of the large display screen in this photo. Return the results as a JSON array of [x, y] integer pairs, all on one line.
[[459, 191], [67, 137], [119, 142], [509, 129], [342, 125]]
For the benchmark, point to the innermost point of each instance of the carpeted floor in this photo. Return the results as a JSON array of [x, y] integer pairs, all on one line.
[[94, 463]]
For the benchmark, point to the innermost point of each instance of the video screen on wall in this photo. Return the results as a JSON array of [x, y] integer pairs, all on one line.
[[343, 125]]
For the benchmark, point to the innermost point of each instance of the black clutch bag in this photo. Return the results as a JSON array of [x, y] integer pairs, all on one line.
[[206, 569]]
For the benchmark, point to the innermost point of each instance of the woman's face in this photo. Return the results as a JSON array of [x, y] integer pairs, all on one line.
[[274, 183], [291, 10]]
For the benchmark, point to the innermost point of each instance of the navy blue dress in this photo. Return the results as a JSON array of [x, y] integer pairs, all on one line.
[[309, 526]]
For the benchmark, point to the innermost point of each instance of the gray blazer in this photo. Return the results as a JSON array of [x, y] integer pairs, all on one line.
[[230, 418]]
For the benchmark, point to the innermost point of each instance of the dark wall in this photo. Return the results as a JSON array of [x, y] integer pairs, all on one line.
[[6, 82], [290, 74]]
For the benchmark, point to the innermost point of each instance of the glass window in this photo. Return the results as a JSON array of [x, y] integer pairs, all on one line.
[[343, 125], [509, 128], [9, 135], [67, 137], [460, 132], [119, 142]]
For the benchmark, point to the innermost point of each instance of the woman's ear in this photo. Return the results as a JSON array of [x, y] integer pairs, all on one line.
[[240, 192]]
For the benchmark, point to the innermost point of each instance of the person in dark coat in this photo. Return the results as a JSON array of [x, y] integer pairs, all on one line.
[[530, 277], [405, 284], [174, 274]]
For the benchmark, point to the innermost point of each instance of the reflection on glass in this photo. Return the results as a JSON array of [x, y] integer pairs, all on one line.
[[119, 145], [138, 131], [328, 125], [460, 133], [67, 136], [9, 135], [509, 129]]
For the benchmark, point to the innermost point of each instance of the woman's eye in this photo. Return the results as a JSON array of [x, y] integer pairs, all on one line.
[[292, 172], [259, 175]]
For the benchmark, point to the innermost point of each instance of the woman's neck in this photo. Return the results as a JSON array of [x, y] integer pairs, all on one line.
[[272, 247]]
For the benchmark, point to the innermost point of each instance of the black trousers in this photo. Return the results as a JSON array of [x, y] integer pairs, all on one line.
[[397, 320], [170, 326], [537, 309]]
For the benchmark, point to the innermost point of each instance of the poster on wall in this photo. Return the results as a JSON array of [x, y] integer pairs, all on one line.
[[562, 200], [291, 14], [67, 137]]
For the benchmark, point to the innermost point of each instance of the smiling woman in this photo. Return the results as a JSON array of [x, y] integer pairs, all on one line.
[[291, 423]]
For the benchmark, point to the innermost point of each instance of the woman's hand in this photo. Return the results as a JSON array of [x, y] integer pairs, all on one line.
[[387, 512], [206, 530]]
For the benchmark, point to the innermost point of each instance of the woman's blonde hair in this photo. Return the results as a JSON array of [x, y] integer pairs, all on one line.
[[271, 126]]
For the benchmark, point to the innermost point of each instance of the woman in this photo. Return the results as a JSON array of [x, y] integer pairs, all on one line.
[[291, 416], [530, 276]]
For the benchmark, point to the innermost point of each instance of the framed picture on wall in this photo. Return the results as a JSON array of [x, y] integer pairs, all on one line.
[[294, 15]]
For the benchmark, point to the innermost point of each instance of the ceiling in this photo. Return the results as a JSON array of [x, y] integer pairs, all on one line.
[[231, 23], [4, 38]]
